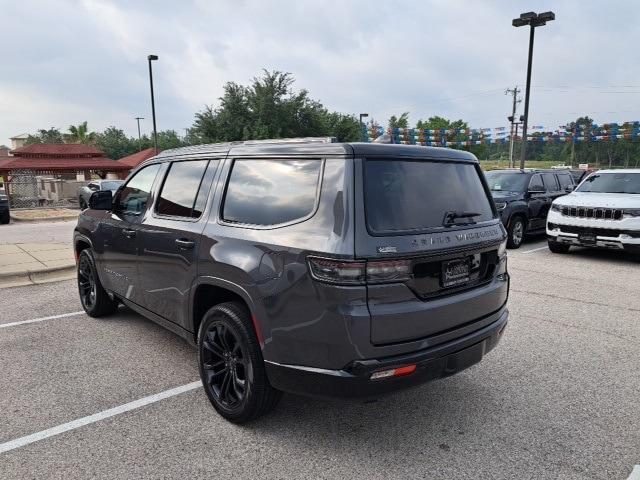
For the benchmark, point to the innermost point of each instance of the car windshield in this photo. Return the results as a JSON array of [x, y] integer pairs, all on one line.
[[612, 183], [111, 185], [507, 181], [408, 196]]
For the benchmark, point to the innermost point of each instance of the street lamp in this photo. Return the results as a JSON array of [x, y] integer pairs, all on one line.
[[362, 115], [150, 58], [139, 138], [533, 20]]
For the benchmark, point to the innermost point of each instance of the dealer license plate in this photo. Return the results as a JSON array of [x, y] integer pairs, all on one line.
[[455, 272]]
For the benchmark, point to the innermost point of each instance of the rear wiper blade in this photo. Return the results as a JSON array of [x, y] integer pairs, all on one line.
[[450, 217]]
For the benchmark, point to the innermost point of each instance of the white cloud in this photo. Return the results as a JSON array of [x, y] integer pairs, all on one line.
[[428, 57]]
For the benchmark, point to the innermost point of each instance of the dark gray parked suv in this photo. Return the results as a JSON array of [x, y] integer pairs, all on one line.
[[305, 266]]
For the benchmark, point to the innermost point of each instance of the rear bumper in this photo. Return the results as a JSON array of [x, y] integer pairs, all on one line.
[[353, 382]]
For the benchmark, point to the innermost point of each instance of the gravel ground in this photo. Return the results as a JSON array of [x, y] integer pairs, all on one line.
[[558, 398]]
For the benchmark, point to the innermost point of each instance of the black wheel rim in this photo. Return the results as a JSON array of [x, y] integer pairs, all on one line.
[[86, 283], [225, 365]]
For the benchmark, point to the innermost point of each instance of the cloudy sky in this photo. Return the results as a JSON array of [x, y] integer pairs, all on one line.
[[68, 61]]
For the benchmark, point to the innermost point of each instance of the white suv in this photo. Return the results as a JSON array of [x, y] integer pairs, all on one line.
[[604, 212]]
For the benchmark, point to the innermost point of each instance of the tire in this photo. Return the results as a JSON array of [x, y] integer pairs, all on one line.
[[5, 217], [557, 247], [515, 232], [231, 365], [93, 297]]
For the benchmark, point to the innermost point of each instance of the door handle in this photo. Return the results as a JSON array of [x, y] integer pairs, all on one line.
[[185, 244], [128, 232]]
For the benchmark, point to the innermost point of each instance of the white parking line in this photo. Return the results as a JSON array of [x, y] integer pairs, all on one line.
[[534, 250], [42, 319], [635, 473], [96, 417]]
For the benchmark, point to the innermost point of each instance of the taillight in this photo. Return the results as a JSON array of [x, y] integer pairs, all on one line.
[[358, 272], [347, 273], [388, 271]]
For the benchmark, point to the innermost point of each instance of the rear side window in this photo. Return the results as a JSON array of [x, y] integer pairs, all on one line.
[[180, 189], [410, 196], [550, 182], [565, 180], [271, 192]]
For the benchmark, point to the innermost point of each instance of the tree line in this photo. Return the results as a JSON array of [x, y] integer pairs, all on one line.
[[270, 107]]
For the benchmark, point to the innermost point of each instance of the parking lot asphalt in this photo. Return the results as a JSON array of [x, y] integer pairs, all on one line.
[[558, 398]]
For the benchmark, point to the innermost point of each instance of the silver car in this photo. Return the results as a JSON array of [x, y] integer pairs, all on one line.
[[84, 193]]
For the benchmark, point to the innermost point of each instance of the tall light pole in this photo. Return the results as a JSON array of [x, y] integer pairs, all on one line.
[[511, 118], [150, 58], [139, 137], [533, 20], [362, 115]]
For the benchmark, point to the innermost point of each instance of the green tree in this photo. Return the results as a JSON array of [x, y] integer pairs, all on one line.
[[115, 144], [269, 108], [399, 122], [52, 135], [79, 134]]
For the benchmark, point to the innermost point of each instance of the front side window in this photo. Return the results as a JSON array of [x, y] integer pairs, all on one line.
[[133, 198], [180, 189], [271, 192], [536, 184], [565, 180], [611, 183], [550, 182], [403, 197]]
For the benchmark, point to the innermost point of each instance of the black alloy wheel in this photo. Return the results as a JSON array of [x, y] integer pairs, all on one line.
[[94, 299], [231, 364], [87, 283], [225, 364]]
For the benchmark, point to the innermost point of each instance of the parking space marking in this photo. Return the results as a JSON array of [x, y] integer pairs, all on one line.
[[534, 250], [41, 319], [635, 473], [96, 417]]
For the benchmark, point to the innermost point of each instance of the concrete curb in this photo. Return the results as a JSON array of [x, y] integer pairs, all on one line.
[[62, 218], [33, 277]]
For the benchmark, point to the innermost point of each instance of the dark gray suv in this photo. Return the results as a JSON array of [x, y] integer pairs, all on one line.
[[305, 266]]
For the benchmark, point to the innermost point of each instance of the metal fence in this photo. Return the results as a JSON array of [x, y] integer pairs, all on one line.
[[26, 189]]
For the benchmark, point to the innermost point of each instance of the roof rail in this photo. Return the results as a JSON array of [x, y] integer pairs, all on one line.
[[291, 140]]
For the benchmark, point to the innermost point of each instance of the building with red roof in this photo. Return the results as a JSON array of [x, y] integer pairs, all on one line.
[[60, 158], [65, 162], [137, 158]]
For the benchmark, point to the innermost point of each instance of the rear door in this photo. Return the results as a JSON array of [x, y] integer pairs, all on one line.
[[431, 226], [170, 236], [537, 201]]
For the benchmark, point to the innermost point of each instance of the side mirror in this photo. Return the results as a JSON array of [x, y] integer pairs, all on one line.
[[569, 188], [102, 200]]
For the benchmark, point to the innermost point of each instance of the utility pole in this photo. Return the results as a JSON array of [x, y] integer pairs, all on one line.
[[139, 138], [513, 91]]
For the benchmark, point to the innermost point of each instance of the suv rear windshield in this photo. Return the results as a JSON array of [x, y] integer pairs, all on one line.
[[408, 196], [507, 181], [611, 183]]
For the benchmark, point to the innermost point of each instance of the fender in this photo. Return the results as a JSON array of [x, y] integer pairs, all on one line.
[[226, 284]]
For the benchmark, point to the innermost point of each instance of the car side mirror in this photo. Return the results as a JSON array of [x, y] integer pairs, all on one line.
[[101, 200], [569, 188]]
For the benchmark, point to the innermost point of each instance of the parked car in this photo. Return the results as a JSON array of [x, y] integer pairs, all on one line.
[[523, 199], [579, 175], [5, 216], [603, 212], [305, 266], [85, 192]]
